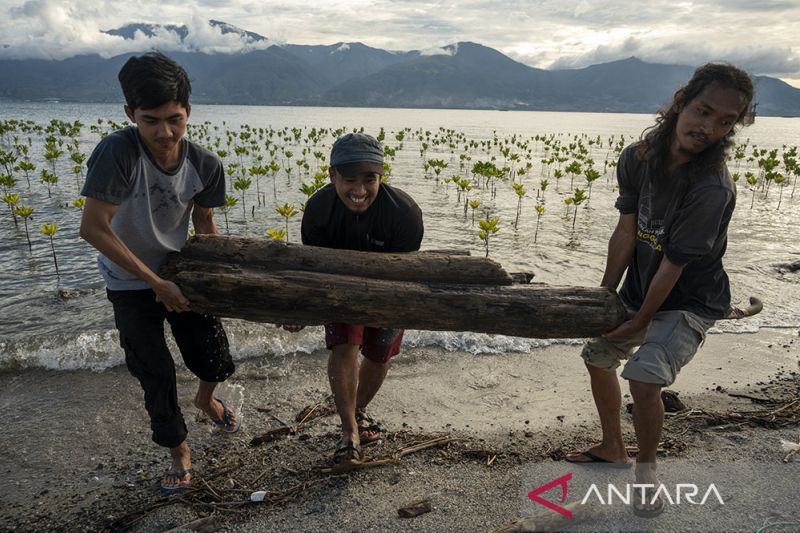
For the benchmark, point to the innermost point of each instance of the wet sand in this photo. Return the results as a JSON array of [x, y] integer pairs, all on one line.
[[77, 455]]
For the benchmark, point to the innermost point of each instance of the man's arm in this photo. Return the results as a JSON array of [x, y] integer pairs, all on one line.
[[620, 250], [203, 221], [662, 284], [96, 230]]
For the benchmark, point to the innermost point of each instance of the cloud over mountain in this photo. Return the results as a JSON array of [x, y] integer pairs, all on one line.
[[762, 36]]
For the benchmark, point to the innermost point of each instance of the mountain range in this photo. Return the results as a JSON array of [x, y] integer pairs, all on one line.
[[463, 75]]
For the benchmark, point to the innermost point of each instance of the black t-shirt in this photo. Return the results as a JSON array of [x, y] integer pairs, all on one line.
[[685, 218], [393, 223]]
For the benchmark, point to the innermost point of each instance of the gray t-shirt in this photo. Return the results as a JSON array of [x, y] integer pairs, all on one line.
[[686, 219], [154, 205]]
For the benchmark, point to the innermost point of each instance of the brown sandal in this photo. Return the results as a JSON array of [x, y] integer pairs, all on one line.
[[346, 457], [369, 432]]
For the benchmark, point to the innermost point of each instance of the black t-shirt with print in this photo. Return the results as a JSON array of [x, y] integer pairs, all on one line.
[[686, 219], [393, 223]]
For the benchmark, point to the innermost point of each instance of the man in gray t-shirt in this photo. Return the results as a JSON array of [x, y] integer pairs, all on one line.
[[143, 185], [675, 202]]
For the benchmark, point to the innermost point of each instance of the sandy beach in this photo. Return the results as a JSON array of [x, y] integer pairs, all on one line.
[[77, 453]]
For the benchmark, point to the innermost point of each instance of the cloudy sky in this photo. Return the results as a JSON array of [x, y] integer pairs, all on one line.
[[761, 36]]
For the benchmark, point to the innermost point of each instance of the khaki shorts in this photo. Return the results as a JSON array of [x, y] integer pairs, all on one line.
[[664, 347]]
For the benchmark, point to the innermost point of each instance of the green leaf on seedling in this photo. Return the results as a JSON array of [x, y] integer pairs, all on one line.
[[286, 210], [49, 229], [276, 234]]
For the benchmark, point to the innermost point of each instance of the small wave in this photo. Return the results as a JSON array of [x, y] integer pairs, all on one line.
[[93, 351], [101, 350], [479, 343], [251, 339]]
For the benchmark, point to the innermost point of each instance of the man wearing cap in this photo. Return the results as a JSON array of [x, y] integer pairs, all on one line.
[[356, 211]]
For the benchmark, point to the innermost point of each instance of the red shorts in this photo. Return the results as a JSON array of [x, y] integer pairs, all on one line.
[[377, 344]]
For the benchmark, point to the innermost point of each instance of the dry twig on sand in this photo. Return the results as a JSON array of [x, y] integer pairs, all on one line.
[[779, 414]]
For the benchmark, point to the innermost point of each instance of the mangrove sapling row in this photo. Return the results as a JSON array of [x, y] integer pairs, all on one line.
[[496, 173]]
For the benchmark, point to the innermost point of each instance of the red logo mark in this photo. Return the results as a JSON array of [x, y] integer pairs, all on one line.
[[562, 482]]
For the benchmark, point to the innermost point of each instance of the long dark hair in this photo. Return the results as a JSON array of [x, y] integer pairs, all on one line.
[[656, 140]]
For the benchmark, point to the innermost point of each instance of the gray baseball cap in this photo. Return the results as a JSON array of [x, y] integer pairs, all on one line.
[[357, 153]]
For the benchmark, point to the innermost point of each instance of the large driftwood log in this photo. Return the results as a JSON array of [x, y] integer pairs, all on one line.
[[268, 281], [271, 255], [316, 298]]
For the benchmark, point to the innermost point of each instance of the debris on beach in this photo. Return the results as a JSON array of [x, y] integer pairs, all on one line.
[[790, 266], [414, 508], [672, 404], [791, 449], [549, 521], [778, 414]]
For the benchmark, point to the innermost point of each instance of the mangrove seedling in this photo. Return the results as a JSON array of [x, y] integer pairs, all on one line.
[[437, 165], [7, 182], [286, 211], [50, 230], [230, 201], [79, 203], [520, 191], [26, 213], [539, 207], [780, 181], [577, 199], [543, 183], [273, 168], [49, 179], [752, 181], [568, 201], [573, 169], [78, 158], [241, 185], [12, 199], [474, 204], [257, 171], [558, 174], [591, 175], [51, 152], [27, 167], [488, 227], [7, 159]]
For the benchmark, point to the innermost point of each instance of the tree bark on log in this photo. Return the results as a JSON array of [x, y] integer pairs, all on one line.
[[268, 281], [317, 298], [433, 267]]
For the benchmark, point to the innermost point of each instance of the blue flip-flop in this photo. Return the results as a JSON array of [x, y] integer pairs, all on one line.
[[182, 485], [225, 422]]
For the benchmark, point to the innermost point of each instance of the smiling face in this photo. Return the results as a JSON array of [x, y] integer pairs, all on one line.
[[705, 120], [161, 129], [356, 192]]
